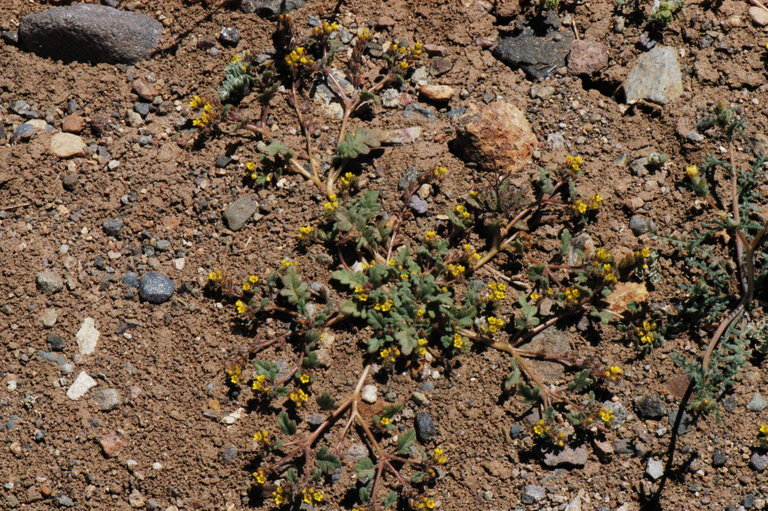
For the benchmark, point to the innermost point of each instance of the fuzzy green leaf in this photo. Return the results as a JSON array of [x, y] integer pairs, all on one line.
[[405, 440], [287, 425], [365, 469], [359, 143], [294, 288], [325, 401], [325, 461]]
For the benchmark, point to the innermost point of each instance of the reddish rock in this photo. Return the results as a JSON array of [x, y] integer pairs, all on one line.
[[112, 444], [437, 92], [587, 57], [498, 138], [435, 50], [385, 22], [72, 123], [144, 89]]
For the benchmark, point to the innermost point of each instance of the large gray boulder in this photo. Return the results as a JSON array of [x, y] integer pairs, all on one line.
[[91, 33]]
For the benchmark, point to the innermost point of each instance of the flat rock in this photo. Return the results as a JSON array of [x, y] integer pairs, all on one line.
[[757, 403], [425, 427], [156, 288], [567, 457], [73, 123], [759, 16], [65, 145], [144, 89], [497, 138], [239, 212], [656, 77], [551, 341], [92, 33], [587, 57], [402, 135], [270, 7], [655, 469], [49, 282], [650, 407], [82, 384], [535, 55], [87, 337], [107, 399], [758, 461], [437, 92], [532, 493]]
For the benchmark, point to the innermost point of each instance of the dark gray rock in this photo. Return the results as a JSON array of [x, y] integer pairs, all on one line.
[[113, 226], [20, 107], [55, 342], [222, 161], [107, 399], [516, 431], [685, 422], [623, 446], [270, 7], [759, 461], [416, 111], [141, 108], [418, 205], [144, 140], [425, 427], [131, 279], [229, 36], [641, 225], [439, 66], [156, 288], [533, 493], [49, 282], [229, 453], [239, 212], [537, 56], [650, 407], [93, 33], [719, 458], [10, 37]]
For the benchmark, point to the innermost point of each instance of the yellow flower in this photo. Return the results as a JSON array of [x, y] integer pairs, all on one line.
[[250, 166], [203, 120], [613, 373], [692, 171], [261, 437], [420, 313], [763, 429], [494, 324], [404, 65], [645, 252], [298, 396], [253, 279], [305, 378], [474, 194], [305, 232], [311, 496], [458, 341], [573, 162], [261, 476], [364, 34], [347, 180], [332, 204], [535, 296], [384, 307], [438, 457], [384, 421], [645, 333], [404, 276], [430, 236], [234, 374], [216, 276], [280, 496], [538, 429], [498, 291], [439, 171], [362, 297], [602, 255], [298, 57], [260, 383], [572, 295], [287, 263], [247, 286], [456, 269], [425, 503], [196, 102], [579, 206], [241, 307], [595, 202], [606, 415], [462, 212]]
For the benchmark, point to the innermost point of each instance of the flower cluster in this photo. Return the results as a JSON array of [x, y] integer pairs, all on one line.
[[605, 415], [439, 171], [572, 296], [645, 334], [362, 295], [216, 276], [234, 373], [431, 237], [439, 457], [241, 307], [470, 252], [389, 355], [311, 496], [298, 397], [545, 431], [425, 503], [326, 28], [573, 163], [261, 437], [305, 233], [384, 307], [260, 476], [250, 283], [298, 58], [613, 373], [280, 495], [461, 212], [260, 383], [494, 324], [347, 180], [762, 435], [456, 270], [459, 341], [332, 203], [406, 55], [208, 113], [592, 205], [497, 291]]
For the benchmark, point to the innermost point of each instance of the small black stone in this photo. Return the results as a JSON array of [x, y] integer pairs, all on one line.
[[425, 427], [719, 458], [156, 288], [113, 226], [229, 36]]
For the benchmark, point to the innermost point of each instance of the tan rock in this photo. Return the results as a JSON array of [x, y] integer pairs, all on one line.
[[759, 16], [112, 444], [65, 145], [72, 123], [144, 89], [437, 92], [498, 138]]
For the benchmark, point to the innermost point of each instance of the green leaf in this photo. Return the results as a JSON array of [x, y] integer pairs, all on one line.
[[350, 278], [294, 288], [391, 410], [390, 500], [405, 440], [407, 340], [275, 148], [310, 361], [349, 308], [359, 143], [286, 424], [325, 461], [365, 470], [292, 476], [325, 401], [365, 494], [369, 96], [419, 477], [266, 368]]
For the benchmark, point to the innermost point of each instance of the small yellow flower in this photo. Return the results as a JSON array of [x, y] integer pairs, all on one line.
[[298, 396], [384, 421], [461, 211], [250, 166], [458, 341], [280, 496], [347, 180], [595, 201], [573, 163], [572, 295], [425, 503], [580, 206], [234, 374], [260, 476], [602, 255], [364, 34], [534, 296], [645, 252], [305, 232], [498, 291], [287, 263], [439, 457], [456, 269], [606, 415], [420, 313], [363, 297], [332, 204], [260, 383], [311, 496], [613, 373], [430, 236], [404, 65], [305, 378], [439, 171], [474, 194], [763, 429], [384, 307], [261, 437], [298, 58], [241, 307], [359, 289], [216, 276], [494, 324], [692, 171], [208, 107], [196, 102]]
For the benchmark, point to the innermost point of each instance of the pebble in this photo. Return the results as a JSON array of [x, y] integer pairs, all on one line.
[[757, 403], [759, 16], [73, 123], [587, 57], [65, 501], [567, 457], [390, 98], [20, 107], [641, 225], [369, 394], [315, 419], [156, 288], [94, 33], [49, 317], [403, 135], [136, 499], [719, 458], [113, 226], [537, 56], [415, 111], [82, 384], [425, 427], [356, 452], [440, 65], [49, 282], [420, 398], [107, 399], [144, 89], [141, 108], [655, 469], [87, 337], [65, 145], [758, 461], [55, 342], [239, 212], [229, 36], [270, 7], [655, 77], [650, 407], [418, 205], [131, 279], [532, 493], [439, 93], [229, 453]]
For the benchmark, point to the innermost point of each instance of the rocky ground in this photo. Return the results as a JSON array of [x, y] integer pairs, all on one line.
[[114, 391]]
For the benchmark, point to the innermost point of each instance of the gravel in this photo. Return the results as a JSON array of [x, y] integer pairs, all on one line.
[[369, 394], [759, 461], [655, 469], [533, 493], [650, 407], [229, 36], [239, 212]]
